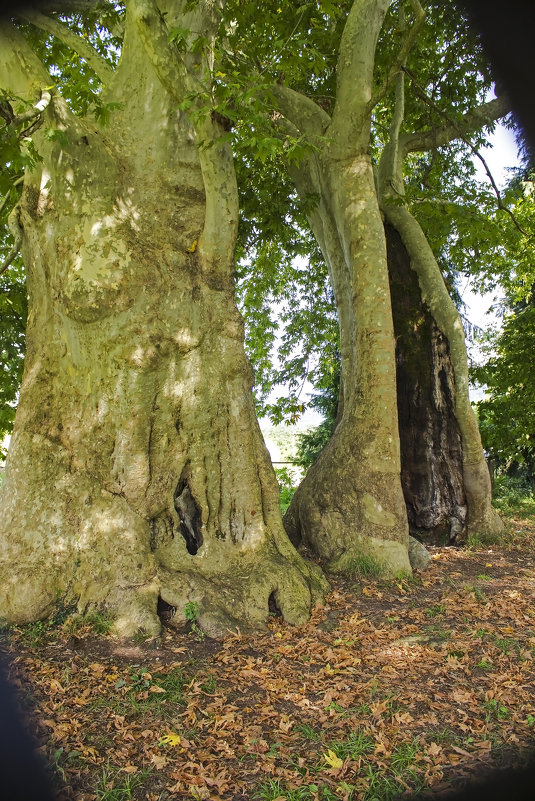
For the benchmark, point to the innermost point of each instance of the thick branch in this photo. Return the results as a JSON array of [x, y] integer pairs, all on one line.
[[72, 40], [357, 55], [21, 72], [218, 238], [163, 56], [471, 121], [35, 111], [404, 51], [301, 111]]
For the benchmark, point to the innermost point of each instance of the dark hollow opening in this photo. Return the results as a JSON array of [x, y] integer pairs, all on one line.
[[165, 611], [273, 606], [189, 513]]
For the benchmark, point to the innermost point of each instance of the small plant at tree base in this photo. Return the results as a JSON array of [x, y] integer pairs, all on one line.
[[191, 613], [366, 565]]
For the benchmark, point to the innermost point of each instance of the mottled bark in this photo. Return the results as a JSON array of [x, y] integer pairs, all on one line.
[[431, 444], [137, 470], [350, 503]]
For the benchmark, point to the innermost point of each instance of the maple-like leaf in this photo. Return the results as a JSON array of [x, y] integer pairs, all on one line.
[[332, 760], [171, 739]]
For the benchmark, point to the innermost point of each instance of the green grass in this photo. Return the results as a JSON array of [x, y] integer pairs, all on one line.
[[141, 691], [357, 744], [113, 785], [495, 711], [434, 611], [513, 496], [308, 732], [365, 565], [437, 632]]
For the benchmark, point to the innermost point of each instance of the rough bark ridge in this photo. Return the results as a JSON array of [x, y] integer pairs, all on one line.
[[431, 445], [137, 470]]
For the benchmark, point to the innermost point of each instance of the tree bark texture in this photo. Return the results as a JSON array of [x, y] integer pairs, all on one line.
[[431, 443], [350, 503], [481, 520], [137, 470]]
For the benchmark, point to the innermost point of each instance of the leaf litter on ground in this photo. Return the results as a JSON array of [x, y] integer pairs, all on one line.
[[393, 688]]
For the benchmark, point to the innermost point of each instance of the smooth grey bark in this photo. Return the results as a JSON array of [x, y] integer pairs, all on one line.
[[137, 470]]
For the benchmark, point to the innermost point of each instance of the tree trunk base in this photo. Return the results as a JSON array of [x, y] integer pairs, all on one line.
[[349, 517]]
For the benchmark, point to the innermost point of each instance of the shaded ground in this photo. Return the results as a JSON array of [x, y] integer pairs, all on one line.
[[392, 688]]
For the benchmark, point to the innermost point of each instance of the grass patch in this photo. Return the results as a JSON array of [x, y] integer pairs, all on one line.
[[513, 496], [114, 785], [495, 711], [308, 732], [357, 744], [365, 564], [434, 611], [142, 691]]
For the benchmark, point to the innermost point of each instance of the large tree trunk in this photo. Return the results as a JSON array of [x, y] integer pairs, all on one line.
[[481, 518], [137, 470], [431, 443], [350, 503]]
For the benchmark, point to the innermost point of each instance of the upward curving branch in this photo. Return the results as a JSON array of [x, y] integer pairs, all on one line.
[[163, 56], [404, 50], [355, 69], [72, 40], [301, 111], [474, 119], [216, 243]]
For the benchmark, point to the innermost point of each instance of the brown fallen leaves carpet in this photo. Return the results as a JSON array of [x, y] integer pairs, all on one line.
[[393, 687]]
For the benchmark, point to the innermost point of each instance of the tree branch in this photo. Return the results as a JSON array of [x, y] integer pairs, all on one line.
[[154, 35], [301, 111], [357, 55], [72, 40], [399, 61], [35, 111], [18, 182], [471, 121]]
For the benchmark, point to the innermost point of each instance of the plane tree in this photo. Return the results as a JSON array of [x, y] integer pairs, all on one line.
[[137, 475], [367, 137]]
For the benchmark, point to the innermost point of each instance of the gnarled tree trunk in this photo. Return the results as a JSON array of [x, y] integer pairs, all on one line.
[[137, 470], [431, 443], [480, 518]]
